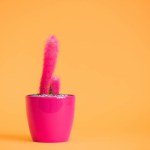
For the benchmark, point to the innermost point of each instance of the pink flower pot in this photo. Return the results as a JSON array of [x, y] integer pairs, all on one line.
[[50, 117]]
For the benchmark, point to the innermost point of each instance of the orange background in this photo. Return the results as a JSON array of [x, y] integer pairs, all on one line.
[[104, 60]]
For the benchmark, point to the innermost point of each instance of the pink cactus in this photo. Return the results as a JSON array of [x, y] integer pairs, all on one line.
[[55, 85], [50, 58]]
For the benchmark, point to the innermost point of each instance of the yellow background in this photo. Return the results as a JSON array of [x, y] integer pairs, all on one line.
[[104, 60]]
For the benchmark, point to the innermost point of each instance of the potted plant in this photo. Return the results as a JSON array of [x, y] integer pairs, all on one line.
[[50, 114]]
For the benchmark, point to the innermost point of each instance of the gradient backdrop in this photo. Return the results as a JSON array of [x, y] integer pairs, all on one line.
[[104, 60]]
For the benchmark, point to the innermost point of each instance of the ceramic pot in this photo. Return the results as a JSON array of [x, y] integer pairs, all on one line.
[[50, 117]]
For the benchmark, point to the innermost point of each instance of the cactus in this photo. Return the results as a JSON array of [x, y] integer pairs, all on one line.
[[50, 58], [55, 85]]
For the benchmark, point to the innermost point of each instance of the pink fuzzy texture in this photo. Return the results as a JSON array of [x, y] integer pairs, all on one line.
[[55, 85], [50, 57]]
